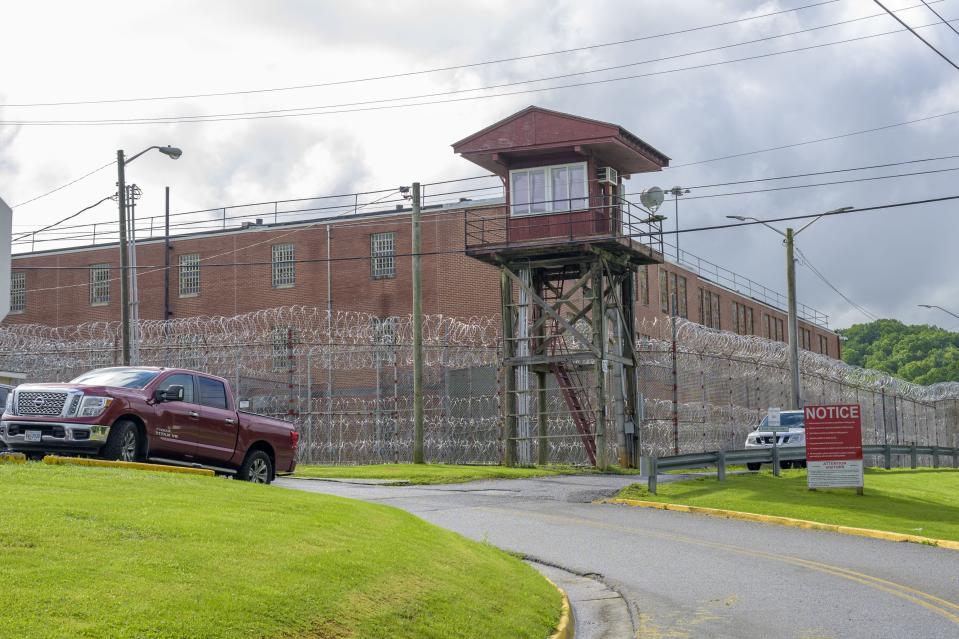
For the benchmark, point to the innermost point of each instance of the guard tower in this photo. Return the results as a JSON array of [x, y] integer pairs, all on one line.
[[568, 245]]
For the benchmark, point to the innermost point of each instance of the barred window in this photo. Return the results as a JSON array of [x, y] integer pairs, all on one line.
[[644, 285], [284, 344], [824, 345], [774, 328], [805, 339], [189, 275], [384, 341], [383, 255], [284, 268], [663, 291], [18, 292], [709, 308], [743, 319], [99, 284]]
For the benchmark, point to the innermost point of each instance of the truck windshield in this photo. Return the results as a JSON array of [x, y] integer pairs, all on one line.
[[117, 377], [786, 420]]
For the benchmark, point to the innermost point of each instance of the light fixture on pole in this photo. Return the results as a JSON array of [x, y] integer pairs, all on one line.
[[793, 320], [173, 153]]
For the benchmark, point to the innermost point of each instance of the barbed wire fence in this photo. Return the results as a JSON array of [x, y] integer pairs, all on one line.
[[345, 379]]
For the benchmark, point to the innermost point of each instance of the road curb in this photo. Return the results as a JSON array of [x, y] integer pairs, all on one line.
[[103, 463], [788, 521], [12, 458], [565, 629]]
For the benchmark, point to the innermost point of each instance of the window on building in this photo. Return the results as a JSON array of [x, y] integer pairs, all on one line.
[[18, 292], [663, 291], [384, 341], [548, 189], [189, 275], [284, 268], [99, 284], [824, 345], [743, 319], [672, 288], [383, 255], [709, 308], [775, 328], [212, 392], [805, 338], [284, 346], [643, 276]]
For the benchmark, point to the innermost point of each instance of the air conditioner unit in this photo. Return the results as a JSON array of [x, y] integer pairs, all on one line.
[[607, 175]]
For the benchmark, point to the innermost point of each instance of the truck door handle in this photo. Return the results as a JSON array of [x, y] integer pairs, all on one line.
[[193, 413], [230, 421]]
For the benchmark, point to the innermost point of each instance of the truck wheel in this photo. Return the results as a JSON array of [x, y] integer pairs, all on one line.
[[124, 443], [753, 465], [257, 468]]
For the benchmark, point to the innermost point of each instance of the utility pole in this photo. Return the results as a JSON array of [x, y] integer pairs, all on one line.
[[417, 333], [166, 258], [124, 266], [793, 327]]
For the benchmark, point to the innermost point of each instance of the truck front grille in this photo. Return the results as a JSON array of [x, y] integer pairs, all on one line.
[[40, 403], [48, 430]]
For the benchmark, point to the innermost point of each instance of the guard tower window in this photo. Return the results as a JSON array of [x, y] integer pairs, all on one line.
[[548, 189]]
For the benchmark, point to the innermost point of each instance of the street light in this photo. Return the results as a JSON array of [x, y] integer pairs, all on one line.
[[793, 323], [940, 308], [173, 153]]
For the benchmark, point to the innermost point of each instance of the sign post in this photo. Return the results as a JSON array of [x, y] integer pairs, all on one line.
[[834, 446]]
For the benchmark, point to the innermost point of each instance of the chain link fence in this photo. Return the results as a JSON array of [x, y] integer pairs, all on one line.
[[345, 380]]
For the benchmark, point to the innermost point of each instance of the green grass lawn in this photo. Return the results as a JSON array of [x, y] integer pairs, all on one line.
[[98, 552], [435, 473], [919, 502]]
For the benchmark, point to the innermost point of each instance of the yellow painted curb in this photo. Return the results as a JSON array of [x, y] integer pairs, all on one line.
[[84, 461], [789, 521], [13, 458], [565, 628]]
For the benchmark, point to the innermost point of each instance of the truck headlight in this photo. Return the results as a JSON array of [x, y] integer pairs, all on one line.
[[93, 406]]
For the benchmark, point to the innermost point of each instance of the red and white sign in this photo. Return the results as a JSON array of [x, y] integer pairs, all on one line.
[[833, 446]]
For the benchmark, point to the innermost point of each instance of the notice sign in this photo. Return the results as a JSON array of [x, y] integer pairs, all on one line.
[[834, 446]]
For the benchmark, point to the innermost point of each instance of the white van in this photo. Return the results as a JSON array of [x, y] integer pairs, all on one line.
[[790, 434]]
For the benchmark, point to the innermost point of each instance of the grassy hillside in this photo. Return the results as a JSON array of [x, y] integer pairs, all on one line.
[[91, 552]]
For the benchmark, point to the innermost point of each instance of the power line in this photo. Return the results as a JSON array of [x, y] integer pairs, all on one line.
[[69, 217], [944, 21], [924, 41], [433, 70], [806, 261], [819, 184], [63, 186], [308, 111]]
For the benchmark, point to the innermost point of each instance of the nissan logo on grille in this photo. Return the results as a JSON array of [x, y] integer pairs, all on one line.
[[38, 402]]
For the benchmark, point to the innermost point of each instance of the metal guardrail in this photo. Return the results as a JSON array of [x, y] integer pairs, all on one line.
[[774, 455]]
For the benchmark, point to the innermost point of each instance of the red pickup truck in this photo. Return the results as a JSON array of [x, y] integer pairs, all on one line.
[[163, 415]]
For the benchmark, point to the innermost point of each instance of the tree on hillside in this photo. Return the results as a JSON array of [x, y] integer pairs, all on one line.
[[918, 353]]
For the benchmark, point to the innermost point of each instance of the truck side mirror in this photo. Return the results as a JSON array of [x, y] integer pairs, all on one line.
[[172, 394]]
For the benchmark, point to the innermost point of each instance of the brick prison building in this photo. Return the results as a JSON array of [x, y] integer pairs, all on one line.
[[361, 262]]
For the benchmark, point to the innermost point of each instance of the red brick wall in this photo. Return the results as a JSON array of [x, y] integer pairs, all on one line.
[[236, 276]]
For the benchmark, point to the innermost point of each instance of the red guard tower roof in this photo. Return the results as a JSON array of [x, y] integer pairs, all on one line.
[[536, 132]]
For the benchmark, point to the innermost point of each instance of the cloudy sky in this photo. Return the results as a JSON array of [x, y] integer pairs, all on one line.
[[886, 261]]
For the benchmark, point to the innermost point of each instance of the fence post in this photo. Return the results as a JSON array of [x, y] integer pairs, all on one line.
[[721, 465], [955, 457], [935, 457], [913, 456], [653, 471], [776, 468], [887, 456]]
